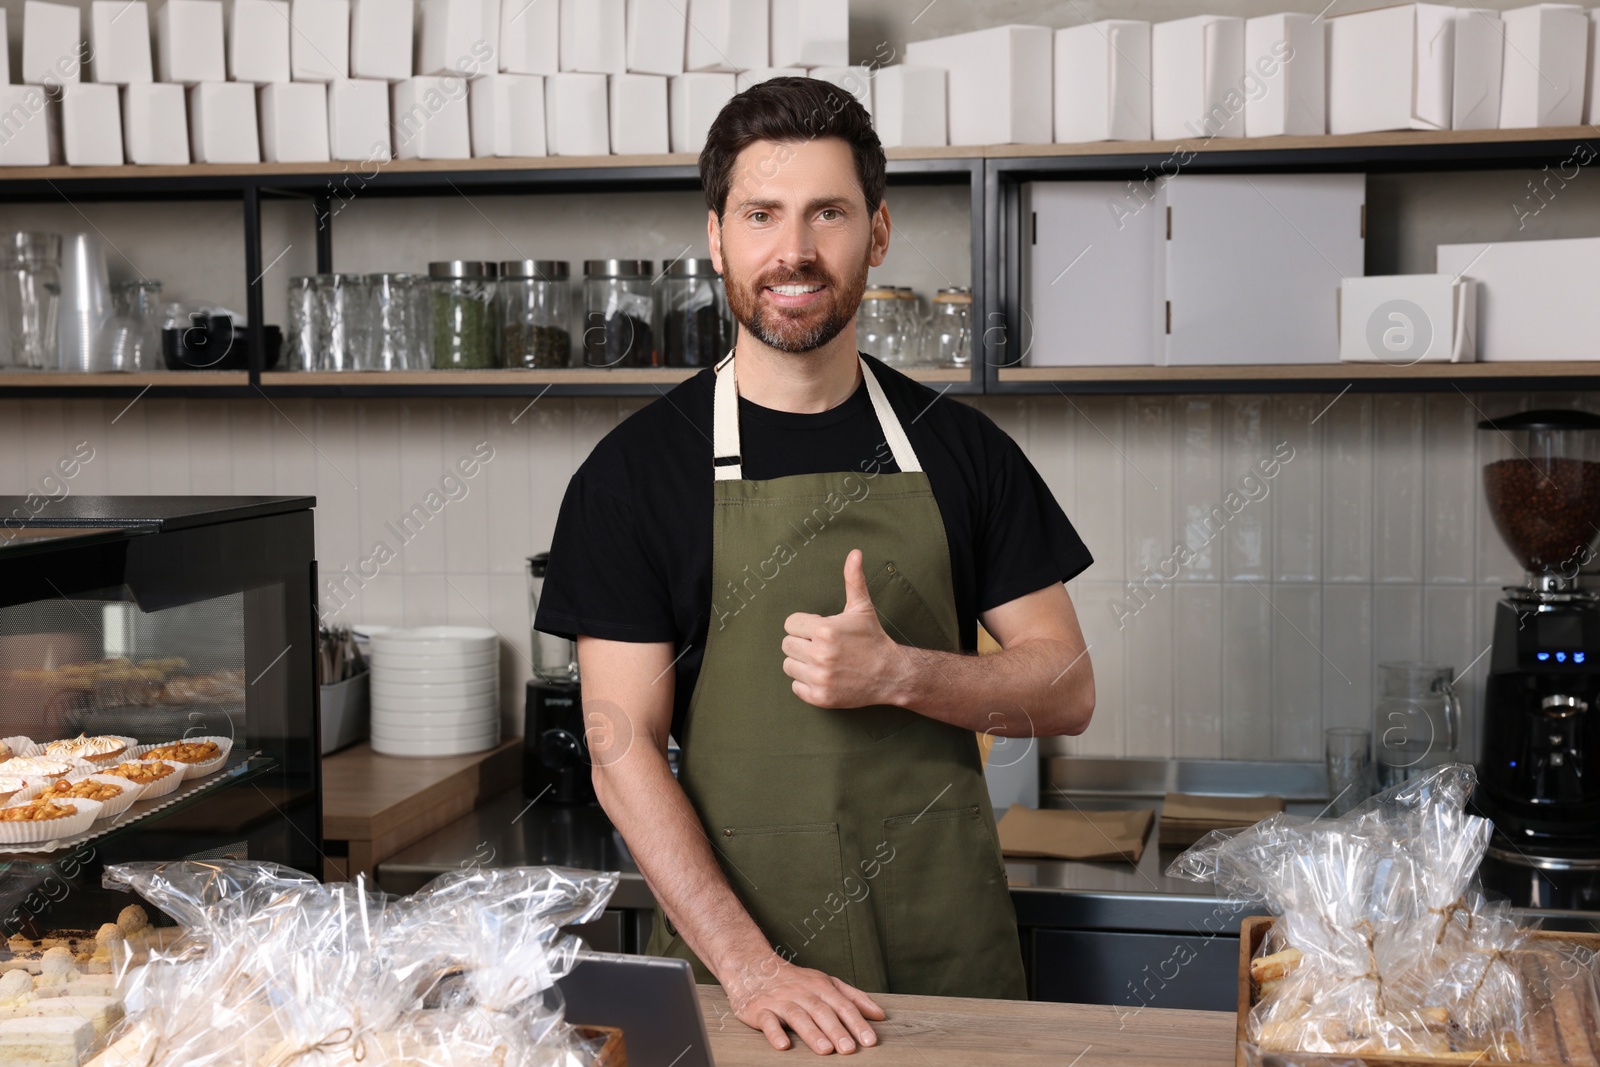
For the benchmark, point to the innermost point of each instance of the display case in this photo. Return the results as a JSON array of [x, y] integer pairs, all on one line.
[[148, 621]]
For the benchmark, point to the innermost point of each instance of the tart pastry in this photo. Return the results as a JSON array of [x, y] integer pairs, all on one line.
[[186, 751], [10, 787], [92, 749], [34, 767], [38, 810], [141, 773], [83, 789]]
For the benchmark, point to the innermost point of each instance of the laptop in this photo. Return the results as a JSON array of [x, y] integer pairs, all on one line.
[[653, 1000]]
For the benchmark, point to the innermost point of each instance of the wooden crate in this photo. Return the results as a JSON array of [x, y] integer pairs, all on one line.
[[1253, 930]]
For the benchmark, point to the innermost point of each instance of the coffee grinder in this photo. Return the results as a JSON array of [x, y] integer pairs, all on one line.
[[1539, 769], [555, 758]]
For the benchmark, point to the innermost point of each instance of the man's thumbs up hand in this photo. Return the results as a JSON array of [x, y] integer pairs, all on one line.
[[844, 660]]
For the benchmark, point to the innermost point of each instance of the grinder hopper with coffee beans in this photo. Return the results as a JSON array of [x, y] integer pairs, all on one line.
[[1540, 756]]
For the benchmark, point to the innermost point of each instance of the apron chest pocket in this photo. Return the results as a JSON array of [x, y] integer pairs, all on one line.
[[791, 881], [908, 620]]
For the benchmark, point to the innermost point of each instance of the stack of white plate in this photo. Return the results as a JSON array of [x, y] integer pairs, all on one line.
[[435, 691]]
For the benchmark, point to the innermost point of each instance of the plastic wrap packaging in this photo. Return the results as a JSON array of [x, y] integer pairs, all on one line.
[[1382, 945], [278, 970]]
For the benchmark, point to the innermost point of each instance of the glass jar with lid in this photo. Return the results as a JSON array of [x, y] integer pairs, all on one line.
[[878, 323], [948, 342], [693, 315], [618, 309], [30, 289], [911, 325], [462, 314], [535, 313]]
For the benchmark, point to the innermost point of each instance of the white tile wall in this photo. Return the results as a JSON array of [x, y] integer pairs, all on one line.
[[1370, 544]]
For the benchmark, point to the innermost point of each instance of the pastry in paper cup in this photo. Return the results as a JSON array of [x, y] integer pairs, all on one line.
[[33, 767], [197, 756], [143, 773], [103, 750], [82, 787], [18, 789], [39, 820], [14, 746]]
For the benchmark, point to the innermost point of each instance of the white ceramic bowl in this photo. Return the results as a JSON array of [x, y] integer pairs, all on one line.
[[445, 704], [392, 660], [435, 733], [435, 675], [385, 686], [436, 640], [424, 749], [466, 716]]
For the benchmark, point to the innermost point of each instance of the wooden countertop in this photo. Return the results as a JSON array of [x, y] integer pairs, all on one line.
[[957, 1032]]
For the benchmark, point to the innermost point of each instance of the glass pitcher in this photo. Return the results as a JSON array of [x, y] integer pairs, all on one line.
[[555, 659], [1417, 721]]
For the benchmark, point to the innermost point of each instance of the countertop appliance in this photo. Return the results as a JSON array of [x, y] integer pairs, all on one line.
[[1539, 769], [556, 765]]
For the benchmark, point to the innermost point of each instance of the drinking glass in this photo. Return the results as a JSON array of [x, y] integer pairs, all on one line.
[[302, 332], [1347, 751], [386, 329], [1416, 722], [130, 340]]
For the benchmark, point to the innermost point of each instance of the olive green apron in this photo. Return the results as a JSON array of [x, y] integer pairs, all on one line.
[[860, 840]]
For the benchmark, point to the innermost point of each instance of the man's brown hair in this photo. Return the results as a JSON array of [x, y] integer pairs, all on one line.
[[789, 110]]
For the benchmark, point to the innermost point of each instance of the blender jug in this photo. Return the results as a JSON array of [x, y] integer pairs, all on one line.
[[1417, 721], [555, 659]]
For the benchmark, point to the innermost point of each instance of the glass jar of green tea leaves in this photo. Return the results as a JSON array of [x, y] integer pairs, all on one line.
[[462, 314], [535, 298]]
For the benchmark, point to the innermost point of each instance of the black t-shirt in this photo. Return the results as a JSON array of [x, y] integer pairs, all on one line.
[[631, 555]]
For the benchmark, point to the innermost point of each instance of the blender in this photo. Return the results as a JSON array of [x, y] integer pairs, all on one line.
[[1539, 768], [555, 760]]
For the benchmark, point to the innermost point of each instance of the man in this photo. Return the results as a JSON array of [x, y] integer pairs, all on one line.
[[782, 563]]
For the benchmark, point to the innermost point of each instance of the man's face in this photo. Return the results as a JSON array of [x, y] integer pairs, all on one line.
[[795, 242]]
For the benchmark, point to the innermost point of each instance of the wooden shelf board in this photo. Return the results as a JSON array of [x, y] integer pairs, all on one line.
[[185, 379], [1304, 371], [575, 376], [1383, 139]]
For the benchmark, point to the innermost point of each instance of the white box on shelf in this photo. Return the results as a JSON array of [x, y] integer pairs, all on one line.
[[746, 78], [909, 106], [1287, 55], [33, 139], [1480, 61], [656, 36], [294, 122], [1254, 264], [1094, 274], [1591, 100], [1546, 63], [53, 50], [429, 119], [491, 34], [693, 101], [358, 120], [575, 119], [155, 124], [258, 41], [728, 35], [857, 81], [639, 114], [1197, 78], [91, 125], [1536, 298], [189, 42], [380, 40], [594, 38], [530, 36], [5, 53], [998, 90], [810, 33], [119, 33], [1403, 319], [1102, 82], [1392, 69], [508, 115], [319, 40], [454, 39], [222, 122]]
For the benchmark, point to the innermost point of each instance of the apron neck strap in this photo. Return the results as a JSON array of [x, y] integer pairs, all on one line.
[[727, 461]]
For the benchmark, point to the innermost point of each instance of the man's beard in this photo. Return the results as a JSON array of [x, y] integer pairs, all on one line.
[[797, 329]]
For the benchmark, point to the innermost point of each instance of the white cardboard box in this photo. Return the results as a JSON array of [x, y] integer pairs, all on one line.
[[1197, 78], [222, 123], [319, 40], [575, 118], [508, 115], [594, 39], [728, 35], [155, 124], [746, 78], [491, 35], [358, 120], [453, 39], [1286, 75], [1094, 274], [999, 86], [294, 122], [1404, 319], [1102, 82], [53, 50], [119, 32], [1536, 299], [1480, 60], [909, 106], [1546, 63], [1254, 264], [693, 101], [31, 122], [857, 81], [189, 42], [258, 41], [1392, 69], [1591, 100], [380, 40], [429, 118], [656, 36], [810, 33], [639, 114], [91, 125], [530, 36]]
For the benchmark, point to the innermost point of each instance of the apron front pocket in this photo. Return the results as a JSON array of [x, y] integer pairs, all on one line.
[[791, 880], [908, 620], [951, 929]]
